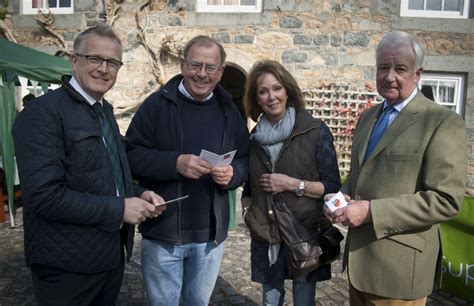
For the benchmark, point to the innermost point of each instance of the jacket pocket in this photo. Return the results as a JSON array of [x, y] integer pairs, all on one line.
[[258, 224], [414, 241], [81, 134], [86, 151]]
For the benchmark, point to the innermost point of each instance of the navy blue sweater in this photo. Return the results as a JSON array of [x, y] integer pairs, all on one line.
[[198, 224]]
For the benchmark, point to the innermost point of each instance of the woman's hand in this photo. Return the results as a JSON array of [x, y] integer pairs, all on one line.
[[277, 182]]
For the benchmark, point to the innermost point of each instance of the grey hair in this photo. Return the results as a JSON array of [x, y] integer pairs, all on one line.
[[397, 38], [205, 41], [101, 29]]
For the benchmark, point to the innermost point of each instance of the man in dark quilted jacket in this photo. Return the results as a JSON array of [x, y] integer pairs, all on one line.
[[80, 205]]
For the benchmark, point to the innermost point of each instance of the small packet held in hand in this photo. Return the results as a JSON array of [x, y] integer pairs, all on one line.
[[337, 201]]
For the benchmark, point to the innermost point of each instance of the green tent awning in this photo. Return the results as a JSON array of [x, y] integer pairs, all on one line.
[[17, 60]]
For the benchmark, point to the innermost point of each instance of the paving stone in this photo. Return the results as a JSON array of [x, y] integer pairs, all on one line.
[[233, 287]]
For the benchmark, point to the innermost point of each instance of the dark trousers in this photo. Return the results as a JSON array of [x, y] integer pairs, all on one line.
[[58, 287]]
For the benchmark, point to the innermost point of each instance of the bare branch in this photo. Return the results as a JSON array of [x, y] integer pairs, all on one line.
[[6, 28], [157, 68], [170, 47], [112, 11]]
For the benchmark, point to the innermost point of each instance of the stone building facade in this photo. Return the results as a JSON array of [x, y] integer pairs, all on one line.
[[329, 46]]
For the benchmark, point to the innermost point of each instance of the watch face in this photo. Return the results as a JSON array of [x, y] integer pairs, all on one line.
[[300, 190]]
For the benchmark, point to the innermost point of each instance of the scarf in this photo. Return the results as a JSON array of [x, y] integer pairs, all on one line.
[[270, 138]]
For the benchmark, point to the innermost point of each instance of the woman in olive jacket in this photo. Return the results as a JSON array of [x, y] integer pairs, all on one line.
[[291, 153]]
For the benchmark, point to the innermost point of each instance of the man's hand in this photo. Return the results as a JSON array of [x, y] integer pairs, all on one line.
[[276, 182], [137, 210], [354, 214], [327, 212], [222, 174], [154, 199], [191, 166]]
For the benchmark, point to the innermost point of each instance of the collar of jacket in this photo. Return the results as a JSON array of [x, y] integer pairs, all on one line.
[[170, 92], [77, 97]]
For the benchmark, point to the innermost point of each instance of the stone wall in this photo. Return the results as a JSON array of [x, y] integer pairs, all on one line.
[[322, 43]]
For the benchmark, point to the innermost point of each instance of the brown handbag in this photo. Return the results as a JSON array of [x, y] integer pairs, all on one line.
[[304, 252]]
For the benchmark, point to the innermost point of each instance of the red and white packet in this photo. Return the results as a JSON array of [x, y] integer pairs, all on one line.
[[337, 201]]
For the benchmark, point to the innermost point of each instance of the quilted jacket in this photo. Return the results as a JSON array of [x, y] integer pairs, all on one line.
[[72, 216]]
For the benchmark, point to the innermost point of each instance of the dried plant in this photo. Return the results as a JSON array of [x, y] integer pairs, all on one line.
[[157, 68], [170, 47], [6, 29], [112, 11], [46, 22], [154, 5]]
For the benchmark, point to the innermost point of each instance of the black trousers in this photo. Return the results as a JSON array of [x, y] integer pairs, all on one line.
[[58, 287]]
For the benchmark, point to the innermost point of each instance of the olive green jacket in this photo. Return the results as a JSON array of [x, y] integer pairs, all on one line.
[[415, 179]]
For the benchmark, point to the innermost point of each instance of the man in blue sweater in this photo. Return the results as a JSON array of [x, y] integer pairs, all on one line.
[[182, 250]]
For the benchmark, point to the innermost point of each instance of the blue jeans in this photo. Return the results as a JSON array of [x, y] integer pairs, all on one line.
[[304, 293], [171, 270], [273, 294]]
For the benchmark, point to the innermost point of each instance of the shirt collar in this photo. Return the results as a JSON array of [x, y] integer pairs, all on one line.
[[183, 90], [400, 106], [73, 82]]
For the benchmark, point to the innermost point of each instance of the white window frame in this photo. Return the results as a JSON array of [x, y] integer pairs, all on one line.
[[457, 79], [203, 7], [405, 12], [26, 8]]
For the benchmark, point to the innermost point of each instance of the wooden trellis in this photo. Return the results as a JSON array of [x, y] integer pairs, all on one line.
[[340, 106]]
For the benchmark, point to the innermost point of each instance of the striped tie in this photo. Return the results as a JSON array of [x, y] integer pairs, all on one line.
[[108, 134]]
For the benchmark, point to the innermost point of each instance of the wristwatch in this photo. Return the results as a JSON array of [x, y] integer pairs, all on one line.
[[300, 190]]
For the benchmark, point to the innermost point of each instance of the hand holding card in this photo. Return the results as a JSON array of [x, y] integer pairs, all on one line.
[[217, 160], [337, 201]]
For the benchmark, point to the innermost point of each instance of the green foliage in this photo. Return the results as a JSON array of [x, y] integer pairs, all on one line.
[[4, 9], [343, 179]]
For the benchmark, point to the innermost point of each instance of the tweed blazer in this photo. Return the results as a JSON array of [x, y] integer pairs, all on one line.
[[415, 178]]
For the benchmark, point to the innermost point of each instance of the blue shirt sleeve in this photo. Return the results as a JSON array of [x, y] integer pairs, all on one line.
[[327, 161]]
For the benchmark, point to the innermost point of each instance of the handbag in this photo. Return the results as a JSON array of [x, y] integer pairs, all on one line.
[[329, 242], [304, 252]]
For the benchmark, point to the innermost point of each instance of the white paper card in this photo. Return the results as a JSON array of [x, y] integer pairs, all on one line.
[[337, 201], [173, 200], [217, 160]]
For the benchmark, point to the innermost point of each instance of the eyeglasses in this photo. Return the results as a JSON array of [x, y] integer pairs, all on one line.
[[196, 66], [97, 61]]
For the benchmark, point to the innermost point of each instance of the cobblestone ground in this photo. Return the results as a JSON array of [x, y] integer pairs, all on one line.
[[233, 285]]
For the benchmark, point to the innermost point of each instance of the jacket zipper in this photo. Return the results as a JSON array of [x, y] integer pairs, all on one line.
[[179, 242], [214, 185]]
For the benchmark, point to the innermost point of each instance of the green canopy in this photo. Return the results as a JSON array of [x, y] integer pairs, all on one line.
[[17, 60]]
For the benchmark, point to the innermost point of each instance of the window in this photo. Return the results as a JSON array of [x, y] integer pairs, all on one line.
[[55, 6], [447, 89], [229, 6], [435, 8]]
